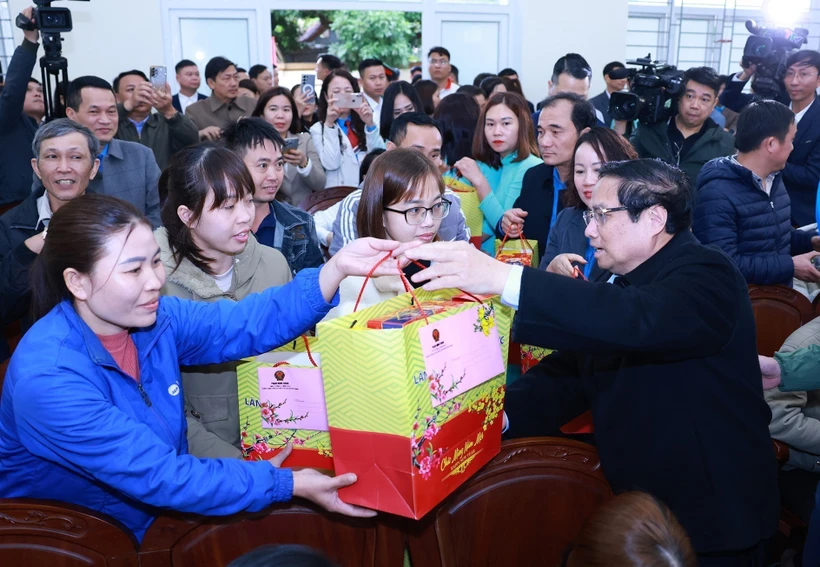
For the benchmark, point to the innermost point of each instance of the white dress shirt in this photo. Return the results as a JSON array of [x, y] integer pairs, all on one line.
[[186, 101], [799, 115]]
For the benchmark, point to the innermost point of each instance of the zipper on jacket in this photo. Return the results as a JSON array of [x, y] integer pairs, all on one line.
[[144, 395]]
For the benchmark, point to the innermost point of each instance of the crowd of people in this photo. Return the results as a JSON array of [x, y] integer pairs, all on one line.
[[152, 241]]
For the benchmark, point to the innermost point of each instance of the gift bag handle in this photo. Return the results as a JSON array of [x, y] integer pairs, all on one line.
[[307, 349], [404, 281], [521, 237]]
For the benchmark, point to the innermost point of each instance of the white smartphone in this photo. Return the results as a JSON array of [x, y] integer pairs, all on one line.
[[349, 100], [158, 75]]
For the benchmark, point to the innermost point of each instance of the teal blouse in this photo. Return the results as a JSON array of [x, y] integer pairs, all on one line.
[[505, 184]]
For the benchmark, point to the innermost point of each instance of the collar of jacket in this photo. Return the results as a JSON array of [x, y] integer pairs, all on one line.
[[25, 215], [144, 338], [198, 282], [115, 149], [285, 215], [647, 271], [241, 102]]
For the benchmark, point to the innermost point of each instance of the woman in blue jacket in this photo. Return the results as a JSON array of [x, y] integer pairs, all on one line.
[[85, 422]]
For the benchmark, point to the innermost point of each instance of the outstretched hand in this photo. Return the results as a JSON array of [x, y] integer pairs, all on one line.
[[459, 265], [324, 491]]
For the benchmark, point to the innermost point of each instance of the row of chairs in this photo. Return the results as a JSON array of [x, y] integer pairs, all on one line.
[[522, 508]]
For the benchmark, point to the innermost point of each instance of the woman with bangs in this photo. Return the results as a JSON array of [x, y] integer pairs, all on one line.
[[502, 152], [210, 253], [303, 167], [567, 245], [402, 200]]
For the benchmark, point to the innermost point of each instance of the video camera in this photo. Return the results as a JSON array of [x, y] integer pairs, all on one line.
[[768, 48], [651, 87], [51, 22]]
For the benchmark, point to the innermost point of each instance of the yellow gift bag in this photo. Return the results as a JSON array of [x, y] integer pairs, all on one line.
[[518, 251], [281, 400], [414, 401]]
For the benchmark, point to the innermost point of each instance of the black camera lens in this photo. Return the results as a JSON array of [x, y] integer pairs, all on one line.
[[53, 20]]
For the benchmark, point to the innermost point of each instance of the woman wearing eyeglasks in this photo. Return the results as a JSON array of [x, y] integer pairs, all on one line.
[[402, 200]]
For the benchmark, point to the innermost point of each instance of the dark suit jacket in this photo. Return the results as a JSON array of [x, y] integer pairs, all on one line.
[[802, 173], [16, 129], [536, 198], [735, 99], [567, 237], [601, 102], [175, 100], [130, 173], [668, 366]]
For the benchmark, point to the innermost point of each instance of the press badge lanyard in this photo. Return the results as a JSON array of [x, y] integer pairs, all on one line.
[[590, 258], [557, 186]]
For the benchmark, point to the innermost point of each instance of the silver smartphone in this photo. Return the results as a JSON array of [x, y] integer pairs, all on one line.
[[309, 88], [349, 100], [291, 144], [158, 75]]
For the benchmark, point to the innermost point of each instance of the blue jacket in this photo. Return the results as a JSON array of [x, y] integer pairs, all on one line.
[[75, 428], [292, 232], [752, 228]]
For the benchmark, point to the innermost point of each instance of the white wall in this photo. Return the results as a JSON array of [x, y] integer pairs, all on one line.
[[551, 28], [109, 36]]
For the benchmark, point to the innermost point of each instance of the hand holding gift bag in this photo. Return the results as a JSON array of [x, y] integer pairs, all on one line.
[[517, 251], [414, 388]]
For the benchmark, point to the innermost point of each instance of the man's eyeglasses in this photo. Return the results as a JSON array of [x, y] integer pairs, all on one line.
[[802, 75], [416, 215], [600, 213], [438, 62]]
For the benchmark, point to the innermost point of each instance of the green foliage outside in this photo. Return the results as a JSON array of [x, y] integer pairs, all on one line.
[[386, 35]]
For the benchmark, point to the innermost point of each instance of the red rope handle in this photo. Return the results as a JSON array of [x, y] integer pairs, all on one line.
[[521, 238], [367, 278], [309, 355]]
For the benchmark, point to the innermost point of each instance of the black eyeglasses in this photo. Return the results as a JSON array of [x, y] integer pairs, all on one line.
[[416, 215], [599, 214]]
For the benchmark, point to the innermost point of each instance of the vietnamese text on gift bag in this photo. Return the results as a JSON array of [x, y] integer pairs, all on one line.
[[414, 402], [281, 401]]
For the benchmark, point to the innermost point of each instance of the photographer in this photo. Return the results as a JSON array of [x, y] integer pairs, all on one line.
[[802, 172], [21, 111], [166, 131], [690, 138]]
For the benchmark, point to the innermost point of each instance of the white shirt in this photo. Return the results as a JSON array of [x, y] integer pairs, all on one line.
[[799, 115], [224, 281], [43, 210], [186, 101], [376, 106], [451, 87]]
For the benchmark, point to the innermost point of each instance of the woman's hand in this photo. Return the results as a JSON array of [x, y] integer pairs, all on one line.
[[324, 491], [299, 99], [459, 265], [365, 113], [468, 168], [332, 111], [770, 370], [563, 264], [512, 222], [296, 158], [359, 258]]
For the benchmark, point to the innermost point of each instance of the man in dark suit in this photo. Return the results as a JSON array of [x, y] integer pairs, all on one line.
[[127, 170], [665, 358], [189, 80], [802, 173], [601, 102], [562, 120]]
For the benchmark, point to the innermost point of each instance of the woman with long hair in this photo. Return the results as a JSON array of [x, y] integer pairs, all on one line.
[[567, 245], [303, 166], [503, 151], [428, 94], [92, 412], [343, 136], [399, 97]]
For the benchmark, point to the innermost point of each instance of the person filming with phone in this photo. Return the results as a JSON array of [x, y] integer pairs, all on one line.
[[165, 131], [346, 130]]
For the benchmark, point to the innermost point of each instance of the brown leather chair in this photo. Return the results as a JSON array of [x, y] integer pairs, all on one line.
[[523, 508], [778, 312], [321, 200], [34, 533], [176, 540]]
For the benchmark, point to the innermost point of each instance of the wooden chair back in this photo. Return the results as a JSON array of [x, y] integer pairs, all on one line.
[[321, 200], [523, 508], [39, 532], [778, 312]]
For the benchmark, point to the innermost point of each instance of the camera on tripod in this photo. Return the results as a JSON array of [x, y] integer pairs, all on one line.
[[651, 87], [51, 22], [768, 48]]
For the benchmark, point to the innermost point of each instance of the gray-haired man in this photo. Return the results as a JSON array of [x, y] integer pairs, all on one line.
[[65, 161]]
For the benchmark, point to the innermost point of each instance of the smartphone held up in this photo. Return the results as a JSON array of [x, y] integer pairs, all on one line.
[[158, 75]]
